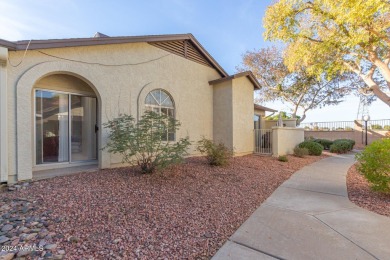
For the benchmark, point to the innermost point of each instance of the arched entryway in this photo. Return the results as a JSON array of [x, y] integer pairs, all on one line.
[[52, 76], [65, 120]]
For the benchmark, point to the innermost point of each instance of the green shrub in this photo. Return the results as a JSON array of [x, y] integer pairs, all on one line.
[[376, 127], [300, 152], [216, 154], [386, 127], [340, 147], [350, 141], [313, 147], [283, 158], [144, 142], [324, 142], [374, 164]]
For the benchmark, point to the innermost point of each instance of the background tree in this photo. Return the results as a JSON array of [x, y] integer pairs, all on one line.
[[283, 115], [335, 37], [298, 88]]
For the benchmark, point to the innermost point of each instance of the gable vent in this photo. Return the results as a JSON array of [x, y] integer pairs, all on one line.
[[184, 49]]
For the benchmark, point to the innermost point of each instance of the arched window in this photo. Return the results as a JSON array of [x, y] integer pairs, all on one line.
[[161, 102]]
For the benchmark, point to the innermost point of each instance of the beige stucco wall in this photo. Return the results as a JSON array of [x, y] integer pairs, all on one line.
[[223, 113], [63, 82], [243, 139], [119, 89], [3, 116], [233, 115], [284, 139], [259, 112]]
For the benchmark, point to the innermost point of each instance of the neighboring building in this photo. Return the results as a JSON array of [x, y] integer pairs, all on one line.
[[259, 117], [292, 122], [55, 95]]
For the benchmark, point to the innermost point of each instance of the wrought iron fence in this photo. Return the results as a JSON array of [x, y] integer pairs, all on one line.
[[380, 124], [329, 126], [263, 141]]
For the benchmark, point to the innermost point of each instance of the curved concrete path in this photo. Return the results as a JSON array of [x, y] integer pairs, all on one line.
[[310, 217]]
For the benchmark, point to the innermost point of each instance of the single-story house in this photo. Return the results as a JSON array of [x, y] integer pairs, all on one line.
[[55, 95]]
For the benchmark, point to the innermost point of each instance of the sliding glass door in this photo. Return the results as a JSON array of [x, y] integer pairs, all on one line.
[[83, 120], [64, 127]]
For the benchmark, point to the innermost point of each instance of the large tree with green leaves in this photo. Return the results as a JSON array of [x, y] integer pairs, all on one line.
[[334, 37], [300, 90]]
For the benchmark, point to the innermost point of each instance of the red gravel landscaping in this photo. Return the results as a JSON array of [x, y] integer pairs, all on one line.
[[187, 211], [360, 193]]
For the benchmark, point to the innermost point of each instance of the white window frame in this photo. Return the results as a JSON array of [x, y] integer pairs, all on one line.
[[159, 107]]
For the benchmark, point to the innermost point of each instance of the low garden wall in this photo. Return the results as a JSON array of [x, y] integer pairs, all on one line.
[[356, 135], [284, 139]]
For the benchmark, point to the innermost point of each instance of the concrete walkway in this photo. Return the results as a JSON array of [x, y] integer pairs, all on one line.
[[310, 217], [47, 174]]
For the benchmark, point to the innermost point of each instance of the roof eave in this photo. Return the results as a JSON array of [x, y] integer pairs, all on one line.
[[260, 107], [247, 74], [76, 42], [7, 44]]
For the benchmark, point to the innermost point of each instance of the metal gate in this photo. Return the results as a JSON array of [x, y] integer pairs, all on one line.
[[263, 141]]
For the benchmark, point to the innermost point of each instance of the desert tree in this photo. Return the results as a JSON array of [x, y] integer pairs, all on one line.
[[335, 38], [297, 88]]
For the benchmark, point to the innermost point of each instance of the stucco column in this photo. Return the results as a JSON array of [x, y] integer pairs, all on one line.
[[3, 116]]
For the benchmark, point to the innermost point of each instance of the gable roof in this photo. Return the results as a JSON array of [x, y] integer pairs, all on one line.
[[74, 42], [247, 74]]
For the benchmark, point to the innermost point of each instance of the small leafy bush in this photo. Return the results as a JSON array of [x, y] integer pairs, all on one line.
[[143, 143], [324, 142], [386, 127], [216, 154], [283, 158], [340, 147], [376, 127], [300, 152], [350, 141], [313, 147], [374, 164]]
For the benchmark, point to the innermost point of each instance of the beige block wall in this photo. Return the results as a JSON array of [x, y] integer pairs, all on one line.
[[357, 135], [119, 89], [284, 140], [243, 134]]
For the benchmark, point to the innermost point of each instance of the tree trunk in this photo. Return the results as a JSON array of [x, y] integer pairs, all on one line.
[[384, 69], [377, 91], [300, 120], [381, 95]]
